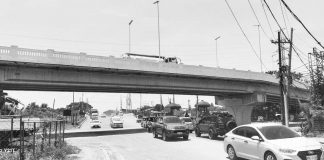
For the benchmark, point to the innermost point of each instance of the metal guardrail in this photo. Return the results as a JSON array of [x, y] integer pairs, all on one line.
[[29, 135]]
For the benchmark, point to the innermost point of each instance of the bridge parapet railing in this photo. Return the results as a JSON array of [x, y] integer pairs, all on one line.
[[14, 53]]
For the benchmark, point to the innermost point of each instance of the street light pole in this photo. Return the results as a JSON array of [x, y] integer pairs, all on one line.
[[129, 34], [217, 64], [158, 12], [259, 46]]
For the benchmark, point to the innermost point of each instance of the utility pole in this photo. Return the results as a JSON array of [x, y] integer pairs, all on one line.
[[129, 34], [289, 76], [173, 98], [281, 80], [260, 46], [140, 100], [53, 109], [217, 63], [197, 99], [284, 78], [161, 102], [158, 14]]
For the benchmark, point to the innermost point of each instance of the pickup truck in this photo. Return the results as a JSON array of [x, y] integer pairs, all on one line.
[[170, 126]]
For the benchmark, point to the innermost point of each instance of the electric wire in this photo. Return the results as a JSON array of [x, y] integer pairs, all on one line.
[[254, 51], [283, 16], [294, 48], [295, 16], [266, 15], [256, 17]]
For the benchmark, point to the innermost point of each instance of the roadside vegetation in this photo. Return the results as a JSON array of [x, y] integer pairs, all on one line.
[[61, 152]]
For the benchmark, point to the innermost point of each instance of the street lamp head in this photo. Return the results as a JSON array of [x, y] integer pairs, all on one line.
[[156, 2], [130, 22], [217, 38]]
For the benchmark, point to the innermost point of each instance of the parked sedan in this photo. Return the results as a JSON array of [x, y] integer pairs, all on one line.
[[116, 121], [270, 141]]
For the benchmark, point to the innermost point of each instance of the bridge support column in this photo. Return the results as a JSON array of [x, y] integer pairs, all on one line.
[[216, 100], [240, 111]]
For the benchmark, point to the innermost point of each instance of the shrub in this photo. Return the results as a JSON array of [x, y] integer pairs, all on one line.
[[9, 156]]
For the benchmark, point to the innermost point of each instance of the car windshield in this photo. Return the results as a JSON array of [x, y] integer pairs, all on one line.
[[186, 119], [278, 132], [172, 120]]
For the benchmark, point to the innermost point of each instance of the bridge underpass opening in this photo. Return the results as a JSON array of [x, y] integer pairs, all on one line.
[[109, 102], [243, 110]]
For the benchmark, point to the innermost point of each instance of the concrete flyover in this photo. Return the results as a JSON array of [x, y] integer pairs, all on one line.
[[49, 70]]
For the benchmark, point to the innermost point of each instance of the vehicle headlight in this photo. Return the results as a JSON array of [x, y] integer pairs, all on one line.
[[169, 128], [284, 150]]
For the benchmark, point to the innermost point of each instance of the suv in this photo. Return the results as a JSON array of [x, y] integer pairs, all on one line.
[[216, 124], [170, 126]]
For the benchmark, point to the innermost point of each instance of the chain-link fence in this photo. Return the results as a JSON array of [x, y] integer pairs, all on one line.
[[29, 136]]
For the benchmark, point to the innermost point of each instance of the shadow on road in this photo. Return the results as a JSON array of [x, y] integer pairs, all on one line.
[[216, 139], [175, 139]]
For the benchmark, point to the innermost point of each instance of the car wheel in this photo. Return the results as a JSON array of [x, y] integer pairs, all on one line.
[[164, 136], [197, 132], [185, 137], [231, 153], [211, 134], [270, 156]]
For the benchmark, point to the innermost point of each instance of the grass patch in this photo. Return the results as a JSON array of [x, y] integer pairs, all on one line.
[[9, 156], [49, 153], [54, 153]]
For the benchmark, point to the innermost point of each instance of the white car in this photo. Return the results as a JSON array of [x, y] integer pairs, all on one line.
[[95, 124], [116, 121], [270, 141]]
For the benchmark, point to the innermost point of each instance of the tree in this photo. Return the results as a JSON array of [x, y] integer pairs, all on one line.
[[81, 106], [317, 77], [158, 107]]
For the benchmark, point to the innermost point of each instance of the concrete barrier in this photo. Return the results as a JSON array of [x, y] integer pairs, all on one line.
[[104, 133]]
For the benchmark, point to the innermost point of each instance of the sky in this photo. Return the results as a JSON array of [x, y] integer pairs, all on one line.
[[188, 29]]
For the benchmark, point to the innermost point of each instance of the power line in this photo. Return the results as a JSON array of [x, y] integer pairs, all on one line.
[[274, 17], [285, 34], [294, 69], [283, 16], [244, 34], [266, 15], [295, 16], [256, 17]]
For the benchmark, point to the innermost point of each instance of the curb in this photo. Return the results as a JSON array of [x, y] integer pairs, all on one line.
[[103, 133]]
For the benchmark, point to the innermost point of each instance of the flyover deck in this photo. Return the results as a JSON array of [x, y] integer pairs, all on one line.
[[51, 57]]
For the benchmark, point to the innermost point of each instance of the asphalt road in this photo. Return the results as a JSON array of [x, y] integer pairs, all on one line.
[[129, 123], [142, 146]]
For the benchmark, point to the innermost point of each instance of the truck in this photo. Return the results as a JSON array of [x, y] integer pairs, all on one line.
[[94, 113], [173, 109], [214, 123]]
